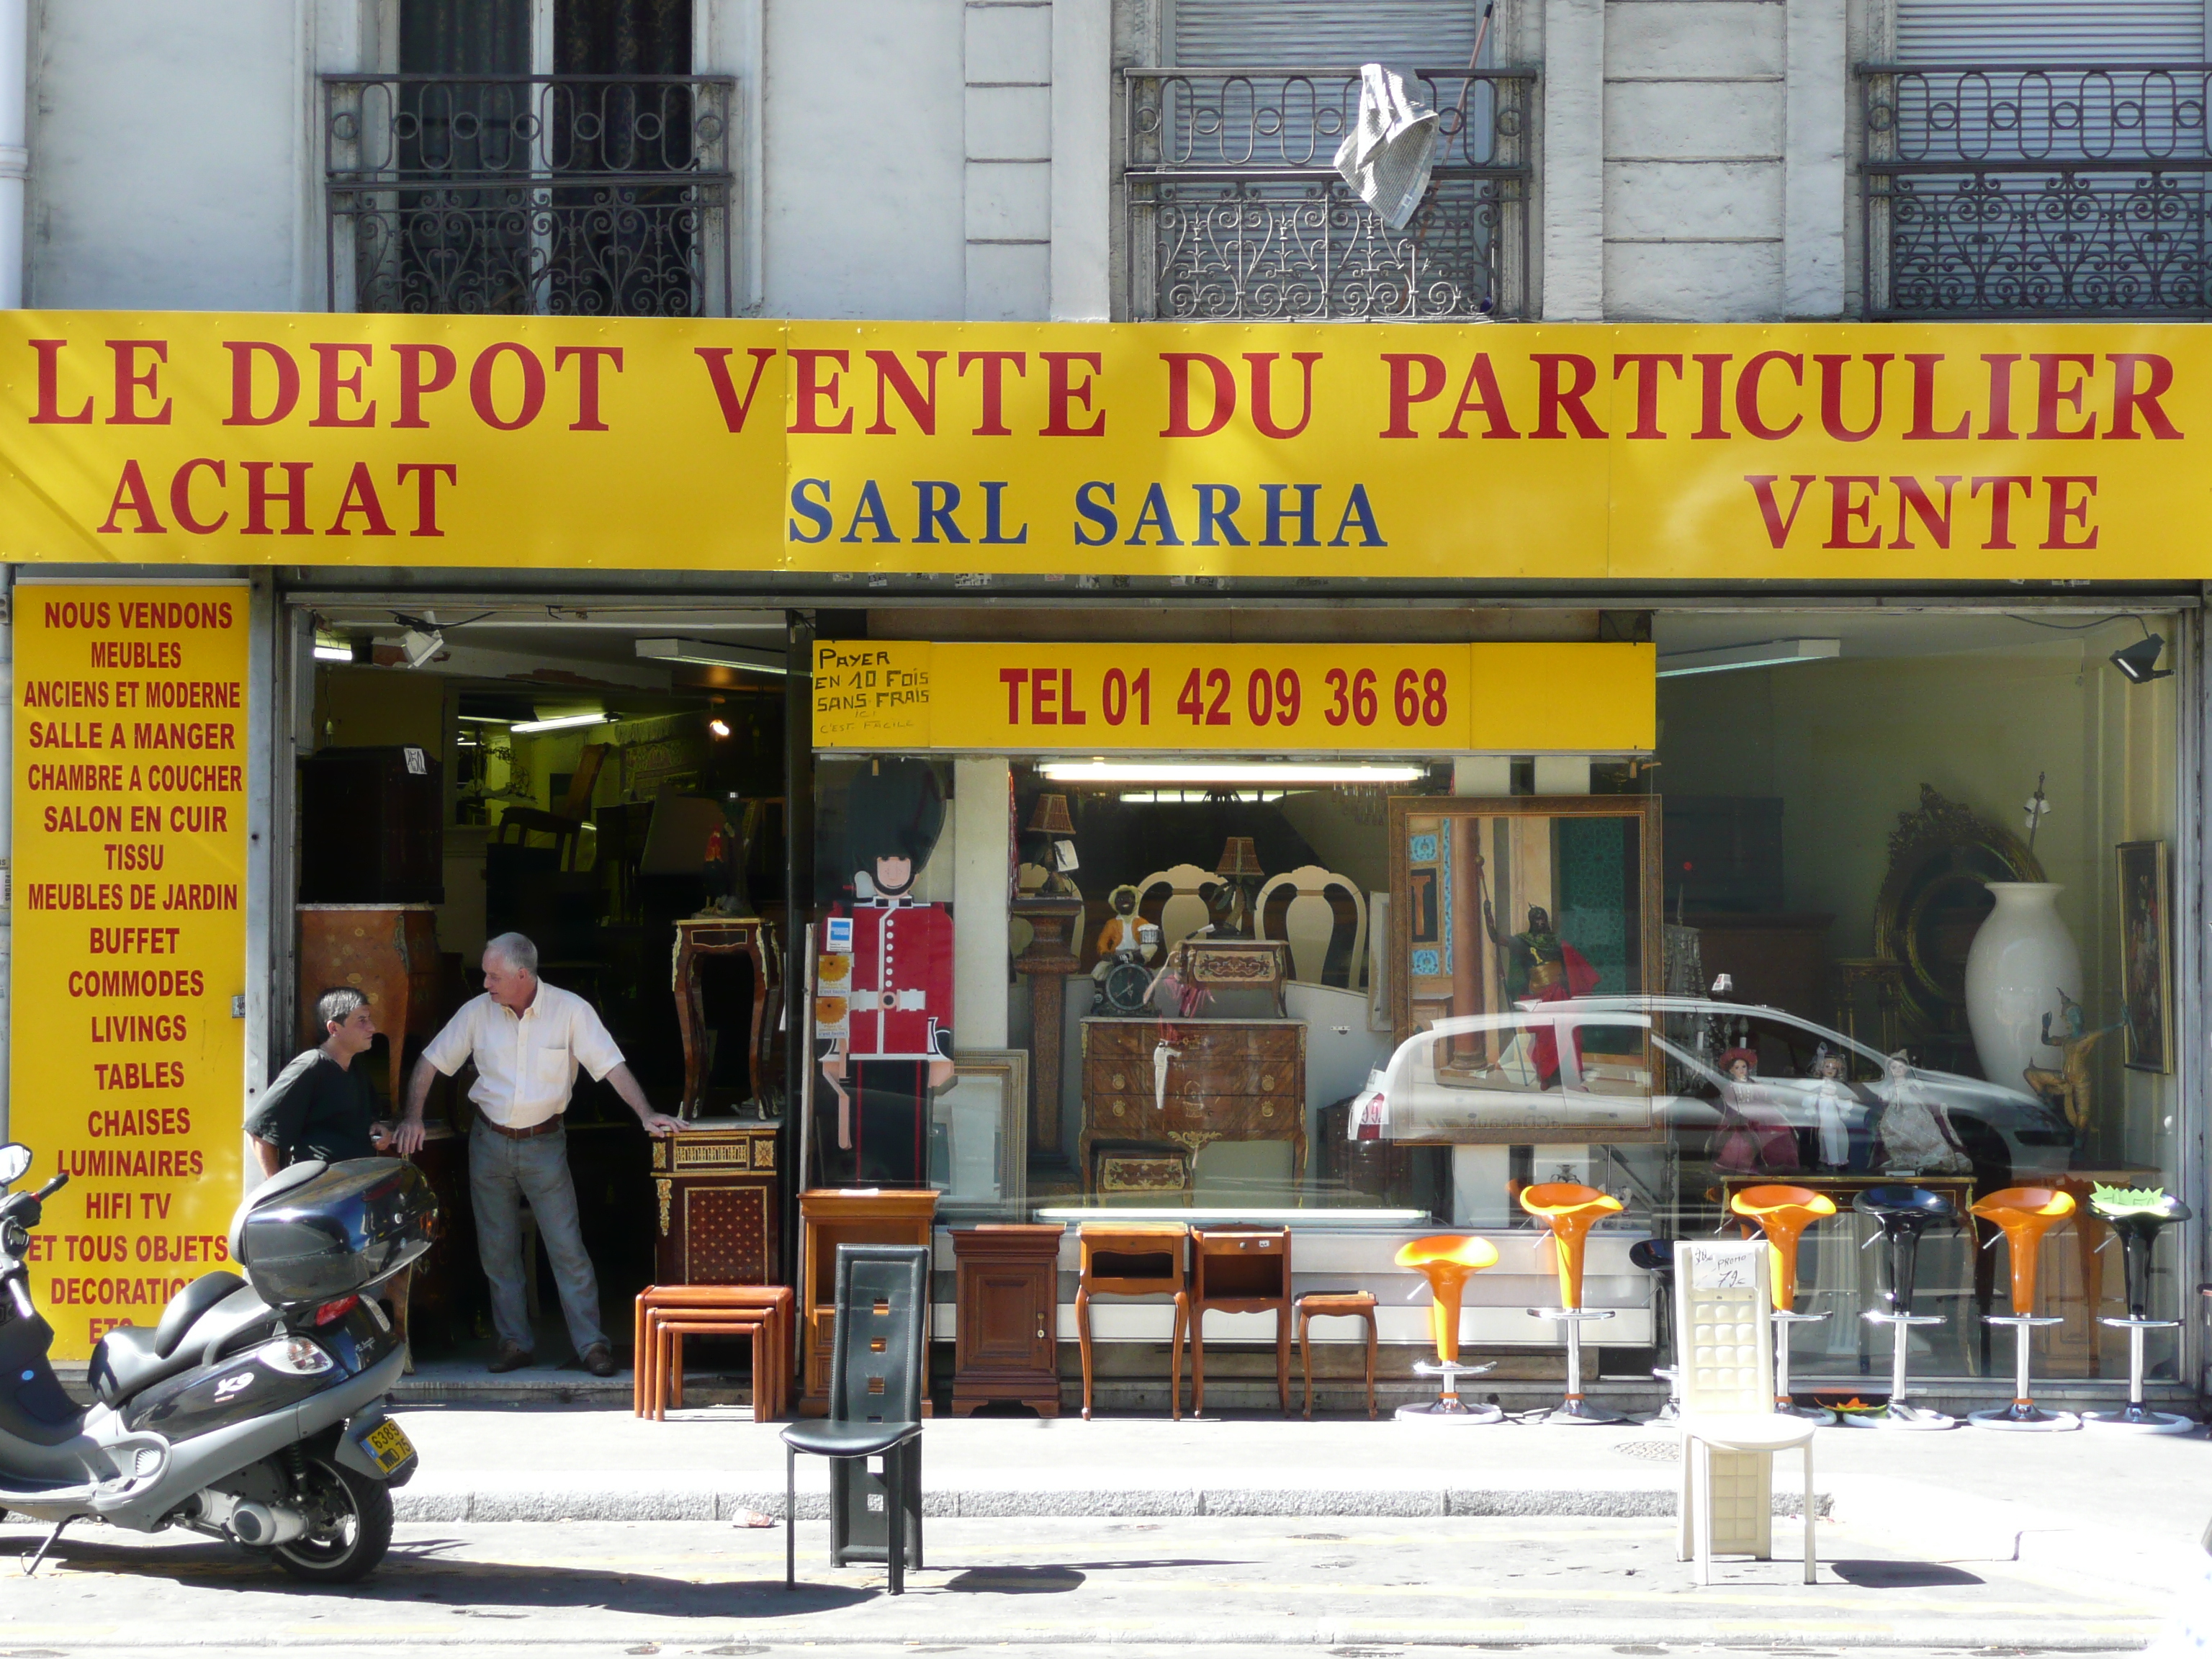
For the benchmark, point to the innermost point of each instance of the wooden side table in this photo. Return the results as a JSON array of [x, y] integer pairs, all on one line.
[[1240, 1270], [1007, 1297], [1132, 1258], [721, 936], [829, 1217], [719, 1197], [389, 953]]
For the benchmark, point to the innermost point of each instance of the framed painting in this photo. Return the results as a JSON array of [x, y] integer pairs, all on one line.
[[2147, 954], [1500, 902], [978, 1135]]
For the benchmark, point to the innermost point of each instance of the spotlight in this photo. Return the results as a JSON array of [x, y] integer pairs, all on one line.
[[2139, 661]]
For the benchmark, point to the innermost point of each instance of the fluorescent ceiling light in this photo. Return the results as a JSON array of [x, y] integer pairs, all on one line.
[[487, 719], [332, 653], [559, 723], [713, 653], [1205, 772], [1762, 653]]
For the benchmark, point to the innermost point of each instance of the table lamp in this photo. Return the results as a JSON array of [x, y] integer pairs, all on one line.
[[1051, 821]]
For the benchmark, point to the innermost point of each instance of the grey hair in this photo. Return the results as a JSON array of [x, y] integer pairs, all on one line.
[[336, 1007], [515, 951]]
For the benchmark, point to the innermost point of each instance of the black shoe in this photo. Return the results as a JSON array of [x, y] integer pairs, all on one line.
[[512, 1357], [599, 1360]]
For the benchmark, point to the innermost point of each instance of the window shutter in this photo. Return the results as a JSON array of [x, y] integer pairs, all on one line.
[[1404, 34], [2049, 31]]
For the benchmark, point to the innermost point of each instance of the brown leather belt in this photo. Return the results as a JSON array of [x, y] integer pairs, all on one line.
[[548, 1127]]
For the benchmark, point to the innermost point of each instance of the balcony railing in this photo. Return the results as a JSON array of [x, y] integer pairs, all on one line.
[[580, 195], [1235, 210], [2043, 191]]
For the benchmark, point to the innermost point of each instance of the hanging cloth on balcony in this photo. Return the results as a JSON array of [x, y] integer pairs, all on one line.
[[1387, 155]]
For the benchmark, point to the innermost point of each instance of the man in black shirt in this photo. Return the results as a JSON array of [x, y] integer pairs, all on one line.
[[320, 1106]]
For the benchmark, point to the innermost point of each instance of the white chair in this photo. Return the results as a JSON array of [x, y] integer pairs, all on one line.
[[1309, 921], [1724, 1347], [1185, 909]]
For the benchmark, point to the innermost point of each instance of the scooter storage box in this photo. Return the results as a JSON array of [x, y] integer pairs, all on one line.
[[335, 1232]]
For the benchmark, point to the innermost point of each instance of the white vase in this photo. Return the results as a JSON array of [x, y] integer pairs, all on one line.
[[2021, 958]]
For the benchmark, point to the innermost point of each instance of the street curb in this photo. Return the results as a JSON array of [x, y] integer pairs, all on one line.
[[579, 1499]]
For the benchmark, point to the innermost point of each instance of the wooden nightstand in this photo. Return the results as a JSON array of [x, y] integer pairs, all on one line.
[[1007, 1297]]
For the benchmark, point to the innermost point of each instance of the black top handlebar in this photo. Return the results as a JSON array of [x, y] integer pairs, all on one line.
[[51, 1187]]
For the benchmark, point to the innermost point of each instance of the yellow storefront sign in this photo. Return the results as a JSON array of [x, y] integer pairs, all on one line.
[[1093, 699], [130, 938], [1956, 451]]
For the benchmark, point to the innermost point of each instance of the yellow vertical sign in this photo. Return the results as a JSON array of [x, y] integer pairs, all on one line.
[[130, 938]]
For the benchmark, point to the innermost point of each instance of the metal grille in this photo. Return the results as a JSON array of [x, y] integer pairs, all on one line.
[[2045, 191], [1236, 211], [578, 195]]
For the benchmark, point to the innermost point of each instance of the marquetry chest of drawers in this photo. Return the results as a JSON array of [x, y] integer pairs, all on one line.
[[1227, 1080]]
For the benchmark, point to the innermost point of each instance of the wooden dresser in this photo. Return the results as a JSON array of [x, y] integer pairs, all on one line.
[[716, 1193], [1229, 1080]]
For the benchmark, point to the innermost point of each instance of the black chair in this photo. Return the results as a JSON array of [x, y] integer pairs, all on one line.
[[876, 1374]]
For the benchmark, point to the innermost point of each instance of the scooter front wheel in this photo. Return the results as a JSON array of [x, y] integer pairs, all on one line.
[[353, 1527]]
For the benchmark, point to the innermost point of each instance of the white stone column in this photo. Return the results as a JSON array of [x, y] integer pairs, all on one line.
[[1482, 774], [1814, 199], [980, 849], [1573, 164], [1563, 775], [1009, 55], [1082, 119], [15, 155]]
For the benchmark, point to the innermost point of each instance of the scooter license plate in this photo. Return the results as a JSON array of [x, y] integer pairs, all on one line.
[[387, 1443]]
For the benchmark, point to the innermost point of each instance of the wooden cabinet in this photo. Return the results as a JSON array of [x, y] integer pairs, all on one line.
[[1007, 1310], [389, 953], [829, 1217], [1227, 1080], [372, 827], [718, 1197]]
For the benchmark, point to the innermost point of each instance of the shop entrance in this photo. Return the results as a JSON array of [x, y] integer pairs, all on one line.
[[608, 783]]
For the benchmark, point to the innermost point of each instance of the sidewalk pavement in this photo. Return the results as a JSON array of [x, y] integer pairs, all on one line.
[[2131, 1506]]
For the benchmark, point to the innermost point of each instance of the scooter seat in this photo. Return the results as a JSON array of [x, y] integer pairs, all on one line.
[[130, 1358]]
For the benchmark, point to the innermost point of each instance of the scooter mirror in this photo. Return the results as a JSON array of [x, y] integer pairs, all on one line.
[[13, 1160]]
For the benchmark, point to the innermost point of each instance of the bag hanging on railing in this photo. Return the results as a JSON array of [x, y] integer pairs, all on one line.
[[1387, 155]]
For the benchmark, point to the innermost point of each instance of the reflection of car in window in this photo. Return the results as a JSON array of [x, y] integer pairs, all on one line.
[[1814, 1098]]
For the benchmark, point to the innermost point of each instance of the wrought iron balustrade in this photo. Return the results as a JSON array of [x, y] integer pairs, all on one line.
[[1235, 209], [2036, 190], [588, 195]]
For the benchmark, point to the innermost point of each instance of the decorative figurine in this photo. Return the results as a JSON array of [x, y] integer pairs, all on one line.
[[2066, 1085], [1126, 944], [886, 1043], [1837, 1113], [1915, 1133], [723, 867], [1755, 1137]]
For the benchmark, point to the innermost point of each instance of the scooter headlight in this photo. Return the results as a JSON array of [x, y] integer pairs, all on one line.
[[295, 1356]]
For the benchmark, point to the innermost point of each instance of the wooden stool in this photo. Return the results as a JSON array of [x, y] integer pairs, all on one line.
[[770, 1305], [1132, 1258], [1240, 1270], [1336, 1305]]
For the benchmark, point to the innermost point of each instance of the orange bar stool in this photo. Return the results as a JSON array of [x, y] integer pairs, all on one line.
[[1570, 1209], [1782, 1213], [1446, 1259], [2024, 1214]]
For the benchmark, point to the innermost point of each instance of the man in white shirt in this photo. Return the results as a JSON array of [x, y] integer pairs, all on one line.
[[527, 1039]]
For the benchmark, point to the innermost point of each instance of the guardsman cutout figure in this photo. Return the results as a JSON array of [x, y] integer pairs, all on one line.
[[885, 1015]]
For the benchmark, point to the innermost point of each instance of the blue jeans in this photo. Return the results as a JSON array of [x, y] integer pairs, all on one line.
[[502, 1173]]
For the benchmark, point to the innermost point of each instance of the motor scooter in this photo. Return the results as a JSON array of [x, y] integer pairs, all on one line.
[[253, 1410]]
